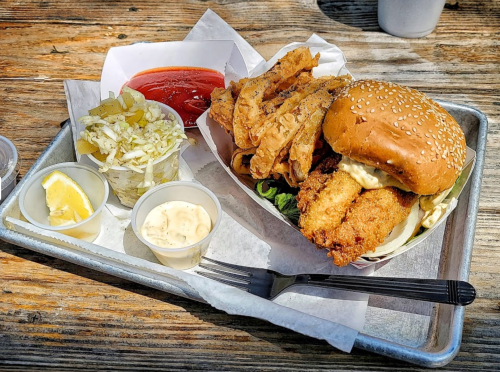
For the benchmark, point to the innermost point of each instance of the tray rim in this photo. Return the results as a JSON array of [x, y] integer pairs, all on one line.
[[414, 355]]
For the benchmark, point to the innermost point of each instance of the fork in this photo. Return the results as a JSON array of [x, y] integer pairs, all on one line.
[[269, 284]]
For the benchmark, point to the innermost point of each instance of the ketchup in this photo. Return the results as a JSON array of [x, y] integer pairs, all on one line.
[[185, 89]]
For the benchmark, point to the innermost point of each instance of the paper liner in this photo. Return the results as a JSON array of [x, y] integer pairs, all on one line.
[[331, 62]]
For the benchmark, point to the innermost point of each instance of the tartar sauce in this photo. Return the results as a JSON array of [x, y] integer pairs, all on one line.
[[367, 176], [176, 224], [434, 207]]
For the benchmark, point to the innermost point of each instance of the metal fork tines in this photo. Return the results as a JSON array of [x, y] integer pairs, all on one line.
[[269, 284]]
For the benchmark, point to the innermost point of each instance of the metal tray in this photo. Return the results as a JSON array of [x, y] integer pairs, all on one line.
[[429, 335]]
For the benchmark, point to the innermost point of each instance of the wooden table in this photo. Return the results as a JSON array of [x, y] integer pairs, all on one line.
[[58, 316]]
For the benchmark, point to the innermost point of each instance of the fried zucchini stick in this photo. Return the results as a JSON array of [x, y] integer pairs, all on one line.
[[222, 108], [301, 151], [282, 134], [247, 111]]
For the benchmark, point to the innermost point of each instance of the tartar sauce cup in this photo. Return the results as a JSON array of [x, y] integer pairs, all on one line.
[[34, 208], [124, 181], [190, 192], [9, 167]]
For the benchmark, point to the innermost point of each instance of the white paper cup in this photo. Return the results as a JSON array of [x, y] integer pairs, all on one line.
[[9, 167], [34, 208], [409, 18], [186, 257], [124, 181]]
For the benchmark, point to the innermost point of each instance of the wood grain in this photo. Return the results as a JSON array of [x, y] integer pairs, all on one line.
[[58, 316]]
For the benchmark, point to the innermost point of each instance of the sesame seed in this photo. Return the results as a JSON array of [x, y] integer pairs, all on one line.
[[352, 99], [427, 135], [408, 133], [394, 110], [372, 110], [354, 112], [359, 106], [419, 162], [400, 118], [352, 107], [423, 152], [382, 108], [429, 143], [414, 129], [396, 124], [363, 118]]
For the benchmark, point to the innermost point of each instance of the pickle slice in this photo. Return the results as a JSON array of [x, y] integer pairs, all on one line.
[[110, 106], [135, 118], [84, 148]]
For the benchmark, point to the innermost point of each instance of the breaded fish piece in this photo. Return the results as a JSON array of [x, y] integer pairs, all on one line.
[[316, 181], [222, 107], [301, 151], [323, 203], [247, 111], [367, 223], [282, 134]]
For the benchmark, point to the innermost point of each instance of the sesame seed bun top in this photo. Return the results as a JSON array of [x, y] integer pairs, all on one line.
[[398, 130]]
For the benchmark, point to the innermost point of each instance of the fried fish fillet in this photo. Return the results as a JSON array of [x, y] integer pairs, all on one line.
[[222, 107], [367, 223], [281, 135], [323, 202], [247, 111]]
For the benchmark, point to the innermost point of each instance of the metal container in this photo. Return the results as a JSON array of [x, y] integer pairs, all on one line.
[[421, 333]]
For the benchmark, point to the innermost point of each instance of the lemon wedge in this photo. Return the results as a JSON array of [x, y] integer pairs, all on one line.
[[66, 200]]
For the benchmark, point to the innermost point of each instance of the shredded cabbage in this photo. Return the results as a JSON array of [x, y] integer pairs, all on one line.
[[134, 145]]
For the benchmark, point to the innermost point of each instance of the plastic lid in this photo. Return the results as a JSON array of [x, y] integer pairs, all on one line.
[[8, 158]]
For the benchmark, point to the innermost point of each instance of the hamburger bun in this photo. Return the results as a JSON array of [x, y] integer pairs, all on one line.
[[398, 130]]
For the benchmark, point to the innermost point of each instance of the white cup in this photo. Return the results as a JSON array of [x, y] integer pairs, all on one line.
[[9, 167], [409, 18], [34, 208], [190, 192], [124, 181]]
